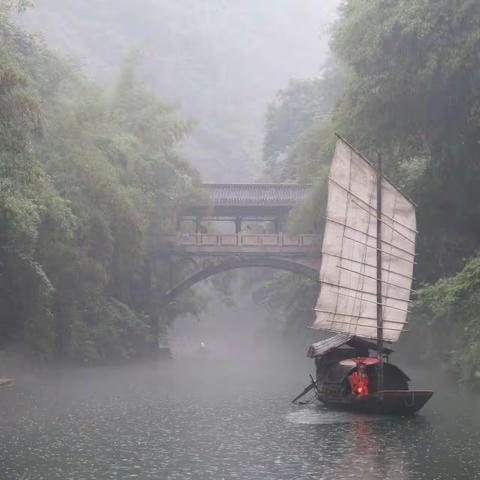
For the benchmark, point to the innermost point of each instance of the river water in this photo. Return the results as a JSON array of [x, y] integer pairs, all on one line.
[[219, 419]]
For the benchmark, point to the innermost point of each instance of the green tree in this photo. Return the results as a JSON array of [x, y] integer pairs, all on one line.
[[410, 93], [90, 181], [413, 95], [296, 122]]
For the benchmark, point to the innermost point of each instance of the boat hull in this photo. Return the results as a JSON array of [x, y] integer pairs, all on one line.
[[387, 402]]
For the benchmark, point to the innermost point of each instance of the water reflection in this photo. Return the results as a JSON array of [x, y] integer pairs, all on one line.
[[197, 421], [377, 452], [354, 446]]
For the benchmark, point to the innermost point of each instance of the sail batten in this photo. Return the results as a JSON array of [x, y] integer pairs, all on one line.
[[362, 318], [352, 249], [375, 278], [367, 234], [365, 292], [376, 248], [366, 264], [383, 217], [374, 301], [366, 326]]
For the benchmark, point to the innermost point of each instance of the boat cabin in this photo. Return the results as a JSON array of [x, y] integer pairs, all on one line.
[[335, 363]]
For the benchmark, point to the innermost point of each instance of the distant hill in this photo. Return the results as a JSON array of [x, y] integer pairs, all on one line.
[[220, 61]]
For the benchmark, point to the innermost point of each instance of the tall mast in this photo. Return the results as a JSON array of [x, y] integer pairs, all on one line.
[[379, 278]]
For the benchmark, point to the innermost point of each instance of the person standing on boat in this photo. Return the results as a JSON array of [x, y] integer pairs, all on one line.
[[359, 381]]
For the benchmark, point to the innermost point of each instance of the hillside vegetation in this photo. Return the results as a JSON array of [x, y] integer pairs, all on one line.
[[221, 61], [89, 180], [403, 82]]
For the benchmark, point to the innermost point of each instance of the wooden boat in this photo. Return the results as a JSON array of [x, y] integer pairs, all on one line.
[[368, 256], [335, 361]]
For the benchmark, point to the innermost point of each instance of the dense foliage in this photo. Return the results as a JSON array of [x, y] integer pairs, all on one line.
[[89, 181], [447, 320], [409, 90], [413, 94]]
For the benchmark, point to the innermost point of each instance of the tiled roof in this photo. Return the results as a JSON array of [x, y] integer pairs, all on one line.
[[256, 194], [324, 346]]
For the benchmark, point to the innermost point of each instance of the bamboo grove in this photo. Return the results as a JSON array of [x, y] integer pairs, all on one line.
[[89, 180]]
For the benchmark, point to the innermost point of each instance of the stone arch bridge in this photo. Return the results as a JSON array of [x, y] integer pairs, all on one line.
[[249, 222]]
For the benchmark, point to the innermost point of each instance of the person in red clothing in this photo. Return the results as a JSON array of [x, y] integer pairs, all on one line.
[[359, 382]]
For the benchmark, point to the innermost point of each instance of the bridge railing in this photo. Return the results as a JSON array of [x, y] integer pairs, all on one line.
[[247, 240]]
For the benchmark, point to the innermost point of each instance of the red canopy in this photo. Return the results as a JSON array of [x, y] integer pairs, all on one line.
[[366, 360], [360, 361]]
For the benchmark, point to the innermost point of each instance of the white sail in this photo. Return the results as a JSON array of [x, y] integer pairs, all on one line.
[[348, 294]]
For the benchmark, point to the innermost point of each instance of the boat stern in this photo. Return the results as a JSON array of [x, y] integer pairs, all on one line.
[[401, 402]]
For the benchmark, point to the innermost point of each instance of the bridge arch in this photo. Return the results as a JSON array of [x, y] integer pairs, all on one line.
[[235, 263]]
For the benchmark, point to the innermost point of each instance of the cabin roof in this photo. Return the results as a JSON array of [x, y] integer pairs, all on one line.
[[332, 343]]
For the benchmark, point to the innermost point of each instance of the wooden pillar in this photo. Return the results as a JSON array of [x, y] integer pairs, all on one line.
[[238, 225], [280, 224], [170, 274], [277, 224]]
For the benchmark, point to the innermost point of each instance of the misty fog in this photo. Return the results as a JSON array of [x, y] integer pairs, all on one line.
[[114, 118], [221, 61]]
